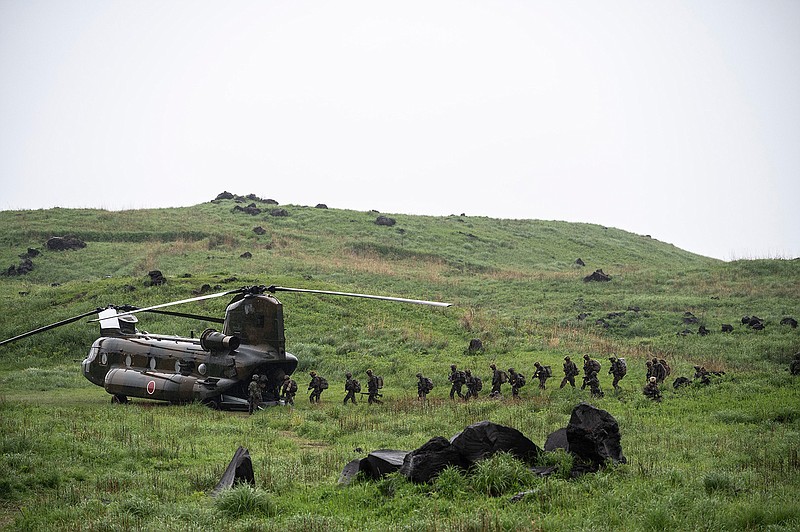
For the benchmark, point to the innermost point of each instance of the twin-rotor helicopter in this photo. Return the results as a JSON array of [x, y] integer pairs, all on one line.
[[214, 369]]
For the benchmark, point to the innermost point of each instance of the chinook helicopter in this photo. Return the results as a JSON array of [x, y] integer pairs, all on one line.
[[215, 368]]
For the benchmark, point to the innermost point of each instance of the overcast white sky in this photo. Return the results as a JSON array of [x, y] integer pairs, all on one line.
[[677, 119]]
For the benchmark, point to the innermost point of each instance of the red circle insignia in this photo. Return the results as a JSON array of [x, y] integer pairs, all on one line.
[[151, 387]]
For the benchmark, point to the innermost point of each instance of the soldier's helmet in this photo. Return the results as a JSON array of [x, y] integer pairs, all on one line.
[[348, 374], [652, 379], [586, 357], [313, 373], [612, 358], [511, 370], [452, 366], [493, 366], [255, 377], [536, 364], [419, 375], [697, 367], [369, 372], [468, 372], [648, 364], [566, 358]]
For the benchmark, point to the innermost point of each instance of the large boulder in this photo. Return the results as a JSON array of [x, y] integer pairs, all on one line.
[[593, 435], [382, 462], [62, 243], [385, 220], [423, 464], [598, 275], [485, 438], [557, 440]]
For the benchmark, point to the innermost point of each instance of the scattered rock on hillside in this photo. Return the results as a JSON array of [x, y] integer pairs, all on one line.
[[598, 275], [62, 243], [251, 209], [224, 195], [579, 262], [702, 331], [689, 318], [156, 278], [259, 230], [754, 322], [279, 212], [321, 206], [726, 328], [25, 266], [385, 220], [475, 345], [246, 255], [789, 321]]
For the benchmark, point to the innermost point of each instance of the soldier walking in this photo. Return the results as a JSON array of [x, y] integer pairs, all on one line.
[[424, 386], [618, 369], [591, 369], [352, 387], [253, 395], [498, 378], [658, 371], [373, 385], [542, 374], [288, 390], [474, 385], [516, 380], [458, 379], [316, 387], [570, 372]]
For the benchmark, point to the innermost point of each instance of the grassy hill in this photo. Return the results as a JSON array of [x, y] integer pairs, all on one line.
[[722, 457]]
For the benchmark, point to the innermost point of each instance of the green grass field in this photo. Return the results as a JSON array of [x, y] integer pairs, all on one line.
[[718, 457]]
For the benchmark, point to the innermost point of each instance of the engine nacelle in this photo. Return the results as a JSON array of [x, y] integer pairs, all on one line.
[[213, 340]]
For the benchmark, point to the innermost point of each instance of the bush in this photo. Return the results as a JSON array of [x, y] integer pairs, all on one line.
[[244, 500], [501, 474]]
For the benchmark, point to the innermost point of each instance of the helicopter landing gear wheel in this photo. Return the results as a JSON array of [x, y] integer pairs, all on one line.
[[213, 403], [119, 399]]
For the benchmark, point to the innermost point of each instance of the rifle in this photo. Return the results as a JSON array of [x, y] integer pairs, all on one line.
[[367, 393]]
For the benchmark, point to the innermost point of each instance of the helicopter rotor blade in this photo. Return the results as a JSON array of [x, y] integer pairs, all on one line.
[[51, 326], [182, 301], [274, 289], [185, 315]]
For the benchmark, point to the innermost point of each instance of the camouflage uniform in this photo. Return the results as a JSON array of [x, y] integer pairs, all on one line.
[[253, 395], [350, 388], [616, 371], [497, 381], [316, 386], [540, 374], [651, 389], [424, 386], [516, 380], [289, 390], [659, 372], [570, 371], [458, 379], [472, 385], [701, 374], [591, 369], [794, 365], [372, 388]]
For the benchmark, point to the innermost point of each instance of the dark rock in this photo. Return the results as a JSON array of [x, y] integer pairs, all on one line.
[[602, 323], [485, 438], [350, 471], [156, 278], [598, 275], [239, 471], [702, 331], [224, 195], [385, 220], [62, 243], [685, 332], [279, 212], [593, 435], [634, 309], [25, 266], [251, 209], [689, 318], [789, 321], [726, 328], [557, 440], [423, 464], [246, 255], [475, 345], [269, 201], [382, 462], [259, 230], [579, 262], [320, 206], [582, 316], [31, 253], [680, 382], [128, 288]]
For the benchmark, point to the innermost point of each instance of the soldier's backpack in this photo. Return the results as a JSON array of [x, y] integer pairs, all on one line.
[[380, 381], [292, 388], [461, 377], [622, 367], [520, 380], [427, 384], [323, 383], [547, 371], [356, 386], [503, 377], [595, 365]]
